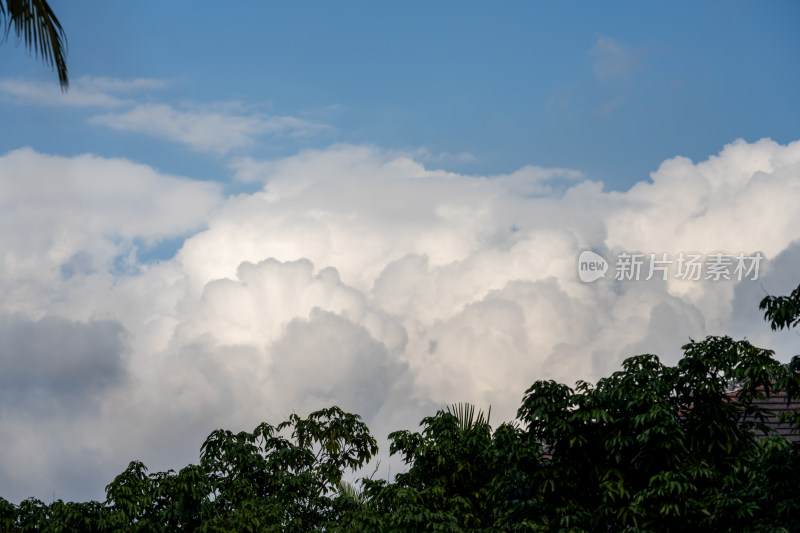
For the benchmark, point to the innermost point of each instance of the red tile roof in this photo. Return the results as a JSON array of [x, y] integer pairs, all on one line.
[[775, 406]]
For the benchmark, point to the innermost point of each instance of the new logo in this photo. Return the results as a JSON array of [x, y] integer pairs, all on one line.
[[591, 266]]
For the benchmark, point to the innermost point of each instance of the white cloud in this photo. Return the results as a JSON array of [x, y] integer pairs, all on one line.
[[218, 128], [359, 277], [64, 217], [204, 130], [249, 170], [47, 94], [85, 91], [424, 155], [101, 83]]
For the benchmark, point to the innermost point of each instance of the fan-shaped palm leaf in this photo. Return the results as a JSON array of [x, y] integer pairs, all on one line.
[[465, 414], [348, 490]]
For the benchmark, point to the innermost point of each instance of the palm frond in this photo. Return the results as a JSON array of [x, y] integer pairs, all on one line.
[[348, 490], [34, 22], [465, 414]]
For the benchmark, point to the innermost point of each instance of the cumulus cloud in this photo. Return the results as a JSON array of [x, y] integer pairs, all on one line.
[[336, 361], [361, 277], [53, 373], [205, 130], [85, 215], [48, 365]]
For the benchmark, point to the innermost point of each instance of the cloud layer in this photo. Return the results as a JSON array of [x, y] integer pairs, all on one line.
[[204, 130], [212, 128], [86, 91], [355, 277]]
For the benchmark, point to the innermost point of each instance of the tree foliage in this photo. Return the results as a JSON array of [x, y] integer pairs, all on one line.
[[650, 448], [782, 311]]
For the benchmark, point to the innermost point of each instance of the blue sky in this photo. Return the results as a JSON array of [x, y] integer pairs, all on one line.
[[236, 215], [611, 89]]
